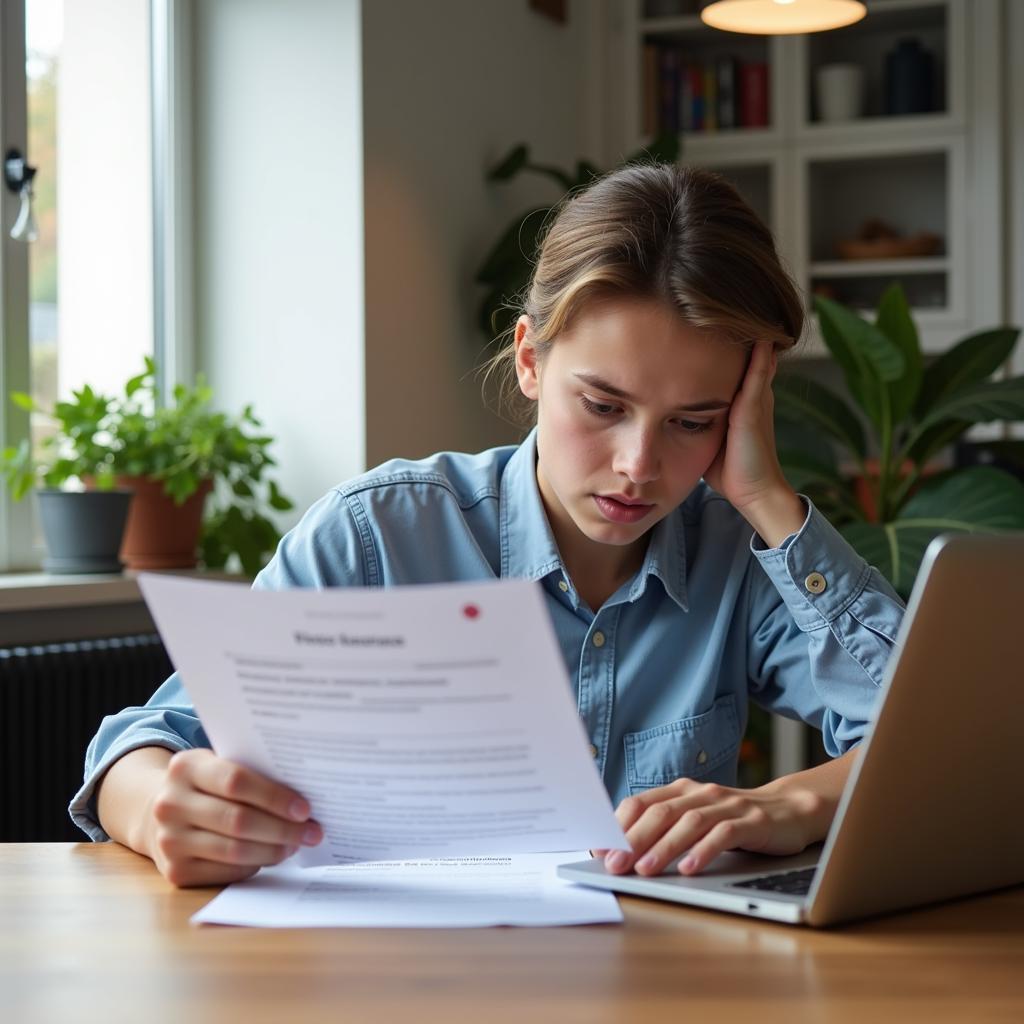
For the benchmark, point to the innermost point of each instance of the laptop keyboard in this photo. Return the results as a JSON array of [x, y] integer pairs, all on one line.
[[792, 883]]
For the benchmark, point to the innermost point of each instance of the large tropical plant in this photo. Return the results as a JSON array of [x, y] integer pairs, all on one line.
[[506, 269], [889, 497]]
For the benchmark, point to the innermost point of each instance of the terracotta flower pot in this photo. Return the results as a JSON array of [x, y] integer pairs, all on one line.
[[866, 487], [161, 534]]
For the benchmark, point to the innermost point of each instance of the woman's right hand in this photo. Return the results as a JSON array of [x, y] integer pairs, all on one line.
[[212, 821]]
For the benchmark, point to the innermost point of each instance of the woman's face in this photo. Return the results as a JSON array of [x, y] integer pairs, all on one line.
[[633, 406]]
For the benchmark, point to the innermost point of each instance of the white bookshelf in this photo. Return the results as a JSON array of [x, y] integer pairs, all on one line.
[[816, 183]]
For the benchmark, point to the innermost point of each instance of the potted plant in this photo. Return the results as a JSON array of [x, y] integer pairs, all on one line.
[[892, 497], [172, 458]]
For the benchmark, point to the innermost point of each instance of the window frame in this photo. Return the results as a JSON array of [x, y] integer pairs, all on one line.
[[16, 518], [173, 349]]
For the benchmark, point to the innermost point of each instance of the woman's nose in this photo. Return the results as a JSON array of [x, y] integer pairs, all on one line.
[[639, 459]]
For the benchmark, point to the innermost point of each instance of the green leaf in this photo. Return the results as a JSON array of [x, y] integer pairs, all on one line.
[[278, 500], [510, 164], [933, 439], [895, 322], [585, 173], [997, 400], [866, 356], [815, 406], [23, 401], [663, 149], [135, 383], [515, 249], [802, 470], [969, 362], [979, 498]]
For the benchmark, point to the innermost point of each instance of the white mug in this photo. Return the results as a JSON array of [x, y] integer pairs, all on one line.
[[840, 91]]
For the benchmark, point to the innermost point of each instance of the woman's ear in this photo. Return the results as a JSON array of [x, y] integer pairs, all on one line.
[[527, 368]]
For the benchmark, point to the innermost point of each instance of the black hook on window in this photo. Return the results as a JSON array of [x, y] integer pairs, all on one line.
[[18, 176], [17, 172]]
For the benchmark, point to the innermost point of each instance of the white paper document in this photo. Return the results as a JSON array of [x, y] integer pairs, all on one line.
[[458, 892], [419, 722]]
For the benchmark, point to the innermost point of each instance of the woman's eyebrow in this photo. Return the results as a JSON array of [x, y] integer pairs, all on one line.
[[712, 405]]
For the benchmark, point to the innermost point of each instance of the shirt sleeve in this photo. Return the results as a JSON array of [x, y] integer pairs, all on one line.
[[823, 624], [326, 548]]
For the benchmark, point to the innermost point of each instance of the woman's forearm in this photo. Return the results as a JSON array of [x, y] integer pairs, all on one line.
[[125, 793]]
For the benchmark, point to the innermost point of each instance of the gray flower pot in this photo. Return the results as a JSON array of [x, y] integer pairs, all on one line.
[[83, 529]]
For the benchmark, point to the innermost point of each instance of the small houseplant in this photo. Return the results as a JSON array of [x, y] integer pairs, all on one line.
[[176, 454], [891, 498]]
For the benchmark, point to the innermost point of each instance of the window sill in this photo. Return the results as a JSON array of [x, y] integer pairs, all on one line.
[[31, 591], [39, 607]]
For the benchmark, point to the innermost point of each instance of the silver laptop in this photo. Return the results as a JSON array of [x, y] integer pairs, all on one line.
[[932, 809]]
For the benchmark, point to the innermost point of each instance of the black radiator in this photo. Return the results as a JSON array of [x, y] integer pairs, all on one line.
[[52, 700]]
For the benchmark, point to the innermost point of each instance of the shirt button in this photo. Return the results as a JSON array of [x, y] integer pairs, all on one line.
[[702, 757], [599, 639], [563, 586], [593, 750], [815, 583]]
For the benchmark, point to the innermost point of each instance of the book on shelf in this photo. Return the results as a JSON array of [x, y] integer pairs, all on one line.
[[682, 94], [753, 90]]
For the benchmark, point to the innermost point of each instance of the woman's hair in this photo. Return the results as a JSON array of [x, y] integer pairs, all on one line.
[[661, 231]]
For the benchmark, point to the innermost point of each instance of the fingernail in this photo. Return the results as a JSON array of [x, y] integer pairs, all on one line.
[[291, 851], [688, 864], [617, 860], [646, 862], [298, 810], [311, 836]]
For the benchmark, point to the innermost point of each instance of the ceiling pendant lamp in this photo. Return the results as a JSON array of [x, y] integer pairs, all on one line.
[[781, 17]]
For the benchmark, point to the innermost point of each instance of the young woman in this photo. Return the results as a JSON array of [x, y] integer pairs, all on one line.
[[682, 573]]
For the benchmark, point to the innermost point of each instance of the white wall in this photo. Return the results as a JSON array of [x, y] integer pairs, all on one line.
[[104, 194], [278, 233], [448, 87]]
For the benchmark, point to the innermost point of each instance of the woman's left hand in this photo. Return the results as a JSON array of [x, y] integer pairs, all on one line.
[[703, 820], [746, 468]]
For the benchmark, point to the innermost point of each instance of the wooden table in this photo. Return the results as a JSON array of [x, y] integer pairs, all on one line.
[[92, 932]]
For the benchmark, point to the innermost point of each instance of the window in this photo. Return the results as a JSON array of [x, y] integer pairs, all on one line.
[[79, 304]]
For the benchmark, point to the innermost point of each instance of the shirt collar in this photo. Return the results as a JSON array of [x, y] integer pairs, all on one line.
[[528, 548]]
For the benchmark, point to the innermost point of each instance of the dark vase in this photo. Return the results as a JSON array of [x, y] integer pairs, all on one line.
[[909, 79], [83, 529]]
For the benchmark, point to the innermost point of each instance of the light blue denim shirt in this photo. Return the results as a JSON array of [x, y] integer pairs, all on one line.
[[661, 672]]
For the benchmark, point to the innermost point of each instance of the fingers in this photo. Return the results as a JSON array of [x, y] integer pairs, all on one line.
[[701, 820], [726, 835], [763, 361], [188, 873], [234, 820], [646, 816], [214, 821], [196, 844], [217, 776]]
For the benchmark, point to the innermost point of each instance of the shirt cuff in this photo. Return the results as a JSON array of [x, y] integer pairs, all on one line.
[[817, 573], [83, 806]]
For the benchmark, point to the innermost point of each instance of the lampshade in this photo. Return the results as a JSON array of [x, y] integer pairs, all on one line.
[[781, 17]]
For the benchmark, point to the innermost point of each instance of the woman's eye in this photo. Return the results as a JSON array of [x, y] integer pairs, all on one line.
[[597, 408], [693, 426]]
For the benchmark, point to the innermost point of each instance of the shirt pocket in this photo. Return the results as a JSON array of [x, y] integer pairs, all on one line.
[[691, 748]]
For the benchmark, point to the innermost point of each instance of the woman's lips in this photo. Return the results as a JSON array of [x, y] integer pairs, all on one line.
[[618, 511]]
